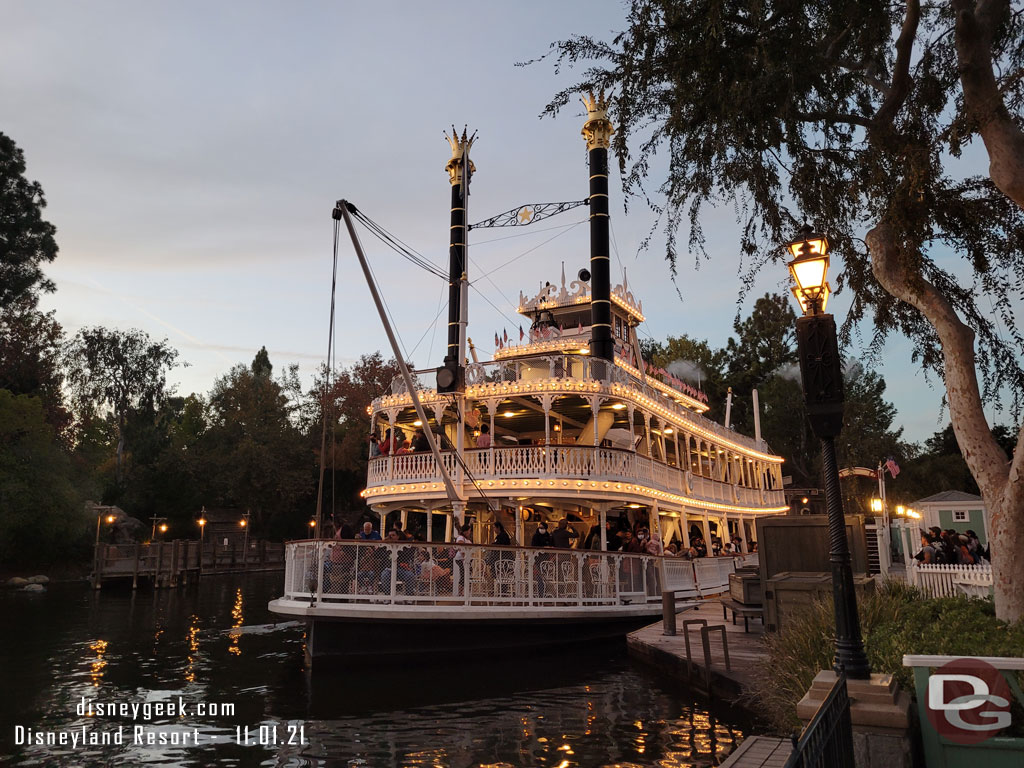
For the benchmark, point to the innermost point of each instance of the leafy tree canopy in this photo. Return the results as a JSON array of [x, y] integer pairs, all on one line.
[[26, 239], [846, 114], [123, 371]]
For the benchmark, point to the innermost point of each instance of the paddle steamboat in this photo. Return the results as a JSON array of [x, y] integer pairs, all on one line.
[[580, 433]]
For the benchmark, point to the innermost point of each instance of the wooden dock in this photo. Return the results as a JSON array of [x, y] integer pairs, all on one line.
[[668, 653], [170, 563]]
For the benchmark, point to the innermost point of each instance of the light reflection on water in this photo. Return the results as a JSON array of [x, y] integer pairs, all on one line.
[[205, 644]]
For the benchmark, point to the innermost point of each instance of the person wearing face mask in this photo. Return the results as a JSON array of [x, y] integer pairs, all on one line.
[[541, 537]]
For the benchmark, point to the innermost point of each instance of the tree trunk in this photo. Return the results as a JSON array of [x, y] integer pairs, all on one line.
[[120, 449], [1001, 484], [1005, 527]]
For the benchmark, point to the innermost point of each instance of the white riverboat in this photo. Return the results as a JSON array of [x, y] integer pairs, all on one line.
[[578, 429]]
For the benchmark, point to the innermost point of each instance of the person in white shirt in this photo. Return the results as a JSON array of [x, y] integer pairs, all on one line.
[[458, 562]]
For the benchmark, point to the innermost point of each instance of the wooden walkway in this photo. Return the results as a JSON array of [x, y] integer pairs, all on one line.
[[760, 752], [668, 653], [170, 563]]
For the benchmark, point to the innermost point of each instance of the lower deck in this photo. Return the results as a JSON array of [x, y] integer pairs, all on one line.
[[371, 597]]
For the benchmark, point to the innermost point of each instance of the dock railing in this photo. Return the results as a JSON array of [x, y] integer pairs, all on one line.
[[424, 573], [827, 741]]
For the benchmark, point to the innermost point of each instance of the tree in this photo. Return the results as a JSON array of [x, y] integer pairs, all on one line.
[[852, 115], [40, 508], [30, 358], [26, 239], [124, 371], [252, 453], [349, 395]]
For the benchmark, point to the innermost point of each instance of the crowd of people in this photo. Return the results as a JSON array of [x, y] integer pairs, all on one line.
[[952, 548]]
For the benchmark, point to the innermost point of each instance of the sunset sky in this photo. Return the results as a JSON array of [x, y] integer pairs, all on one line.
[[191, 153]]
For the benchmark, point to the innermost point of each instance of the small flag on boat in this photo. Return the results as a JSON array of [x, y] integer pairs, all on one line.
[[506, 336], [521, 334], [892, 466], [497, 341]]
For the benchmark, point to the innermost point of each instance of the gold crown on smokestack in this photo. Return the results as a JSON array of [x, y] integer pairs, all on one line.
[[598, 129], [460, 146]]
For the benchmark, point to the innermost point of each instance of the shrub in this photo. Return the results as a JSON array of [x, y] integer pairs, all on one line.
[[895, 620]]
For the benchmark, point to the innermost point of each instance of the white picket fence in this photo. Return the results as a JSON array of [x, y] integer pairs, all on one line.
[[942, 580]]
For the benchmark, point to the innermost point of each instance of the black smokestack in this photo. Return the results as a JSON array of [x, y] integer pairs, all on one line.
[[597, 131]]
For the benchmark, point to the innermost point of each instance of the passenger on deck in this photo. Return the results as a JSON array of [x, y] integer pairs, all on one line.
[[368, 534], [402, 535], [612, 537], [459, 560], [648, 545], [405, 448], [593, 540], [541, 537], [699, 547], [419, 442], [483, 440], [501, 537], [405, 572], [562, 537], [672, 550], [374, 446]]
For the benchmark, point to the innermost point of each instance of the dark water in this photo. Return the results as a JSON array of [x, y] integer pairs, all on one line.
[[586, 708]]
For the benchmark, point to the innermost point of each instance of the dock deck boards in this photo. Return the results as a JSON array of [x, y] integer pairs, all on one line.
[[746, 649], [760, 752]]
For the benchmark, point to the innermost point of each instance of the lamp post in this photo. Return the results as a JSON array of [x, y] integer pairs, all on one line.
[[822, 378], [244, 522], [96, 559], [158, 525], [201, 522]]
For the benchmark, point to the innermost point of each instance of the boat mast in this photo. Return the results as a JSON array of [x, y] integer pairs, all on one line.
[[341, 210], [598, 131]]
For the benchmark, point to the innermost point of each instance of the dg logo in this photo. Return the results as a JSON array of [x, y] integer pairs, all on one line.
[[968, 701]]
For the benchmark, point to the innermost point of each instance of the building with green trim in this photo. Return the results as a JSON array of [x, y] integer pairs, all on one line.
[[957, 510]]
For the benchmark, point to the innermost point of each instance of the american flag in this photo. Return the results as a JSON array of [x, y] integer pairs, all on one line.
[[497, 341], [521, 334], [892, 466]]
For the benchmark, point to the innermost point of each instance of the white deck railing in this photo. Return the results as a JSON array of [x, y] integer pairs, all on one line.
[[411, 573], [566, 462], [943, 580]]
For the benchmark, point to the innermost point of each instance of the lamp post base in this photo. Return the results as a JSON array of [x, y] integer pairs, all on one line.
[[879, 712]]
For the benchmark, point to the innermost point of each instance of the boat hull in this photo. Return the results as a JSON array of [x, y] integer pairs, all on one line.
[[351, 632]]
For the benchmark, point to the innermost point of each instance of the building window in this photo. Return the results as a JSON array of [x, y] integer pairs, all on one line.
[[960, 516]]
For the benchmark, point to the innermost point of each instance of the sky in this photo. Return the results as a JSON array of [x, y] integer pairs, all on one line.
[[191, 153]]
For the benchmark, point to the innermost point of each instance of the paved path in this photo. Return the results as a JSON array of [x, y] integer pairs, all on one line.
[[746, 651]]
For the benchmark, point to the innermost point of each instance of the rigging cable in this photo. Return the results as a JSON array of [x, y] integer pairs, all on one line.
[[327, 383], [531, 250], [395, 244]]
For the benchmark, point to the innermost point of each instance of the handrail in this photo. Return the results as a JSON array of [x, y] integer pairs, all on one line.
[[827, 740], [326, 571], [582, 462]]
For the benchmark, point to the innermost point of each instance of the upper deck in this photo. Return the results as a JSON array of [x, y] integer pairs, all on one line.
[[564, 424]]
